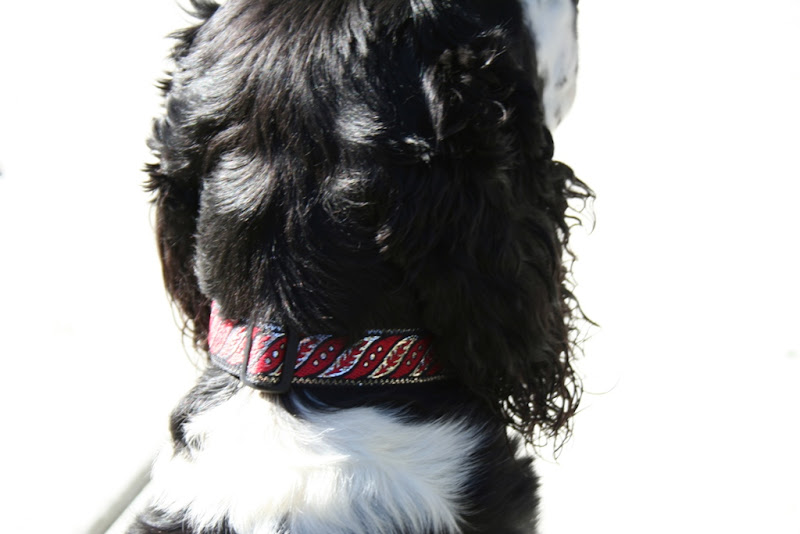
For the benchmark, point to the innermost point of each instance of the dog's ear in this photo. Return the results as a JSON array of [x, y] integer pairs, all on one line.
[[481, 229], [176, 212], [174, 181]]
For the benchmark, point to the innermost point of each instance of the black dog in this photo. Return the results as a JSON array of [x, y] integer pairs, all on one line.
[[360, 217]]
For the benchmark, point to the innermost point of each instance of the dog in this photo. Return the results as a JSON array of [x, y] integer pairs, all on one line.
[[359, 216]]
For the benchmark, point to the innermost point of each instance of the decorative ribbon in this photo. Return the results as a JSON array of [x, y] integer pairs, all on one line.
[[256, 354]]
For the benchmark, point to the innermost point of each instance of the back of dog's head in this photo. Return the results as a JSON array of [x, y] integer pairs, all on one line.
[[337, 166]]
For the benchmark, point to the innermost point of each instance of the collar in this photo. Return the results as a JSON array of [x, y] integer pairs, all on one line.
[[258, 353]]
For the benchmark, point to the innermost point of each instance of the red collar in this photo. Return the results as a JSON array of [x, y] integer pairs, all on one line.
[[384, 357]]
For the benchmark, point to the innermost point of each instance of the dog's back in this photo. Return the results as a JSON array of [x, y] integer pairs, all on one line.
[[343, 166]]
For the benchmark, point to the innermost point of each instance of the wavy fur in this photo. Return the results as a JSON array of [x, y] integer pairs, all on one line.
[[348, 165]]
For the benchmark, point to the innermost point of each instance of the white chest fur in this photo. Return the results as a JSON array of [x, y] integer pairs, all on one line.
[[348, 471]]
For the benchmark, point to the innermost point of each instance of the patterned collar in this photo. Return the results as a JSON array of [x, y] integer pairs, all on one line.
[[257, 354]]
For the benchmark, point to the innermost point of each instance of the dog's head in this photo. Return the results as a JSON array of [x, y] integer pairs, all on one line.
[[354, 164]]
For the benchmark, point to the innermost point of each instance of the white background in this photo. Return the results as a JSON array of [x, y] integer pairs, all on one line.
[[686, 125]]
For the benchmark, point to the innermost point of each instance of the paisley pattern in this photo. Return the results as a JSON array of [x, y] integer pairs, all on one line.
[[378, 358]]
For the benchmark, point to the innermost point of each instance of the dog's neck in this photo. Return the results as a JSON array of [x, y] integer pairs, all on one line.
[[261, 354]]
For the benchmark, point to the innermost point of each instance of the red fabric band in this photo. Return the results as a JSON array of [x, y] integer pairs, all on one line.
[[379, 358]]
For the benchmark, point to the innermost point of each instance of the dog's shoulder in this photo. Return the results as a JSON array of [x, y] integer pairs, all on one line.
[[250, 465]]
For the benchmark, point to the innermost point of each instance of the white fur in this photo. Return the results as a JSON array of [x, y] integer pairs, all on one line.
[[553, 25], [350, 471]]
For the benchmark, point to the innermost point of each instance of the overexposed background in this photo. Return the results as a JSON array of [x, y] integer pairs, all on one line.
[[686, 125]]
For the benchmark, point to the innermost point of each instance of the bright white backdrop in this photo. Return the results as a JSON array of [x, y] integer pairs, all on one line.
[[686, 125]]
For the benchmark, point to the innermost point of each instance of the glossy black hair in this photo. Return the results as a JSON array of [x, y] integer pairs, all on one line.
[[354, 164]]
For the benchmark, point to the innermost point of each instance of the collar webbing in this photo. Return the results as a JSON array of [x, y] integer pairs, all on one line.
[[256, 353]]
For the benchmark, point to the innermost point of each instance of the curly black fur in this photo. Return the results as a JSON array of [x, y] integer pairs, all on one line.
[[390, 168], [342, 165]]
